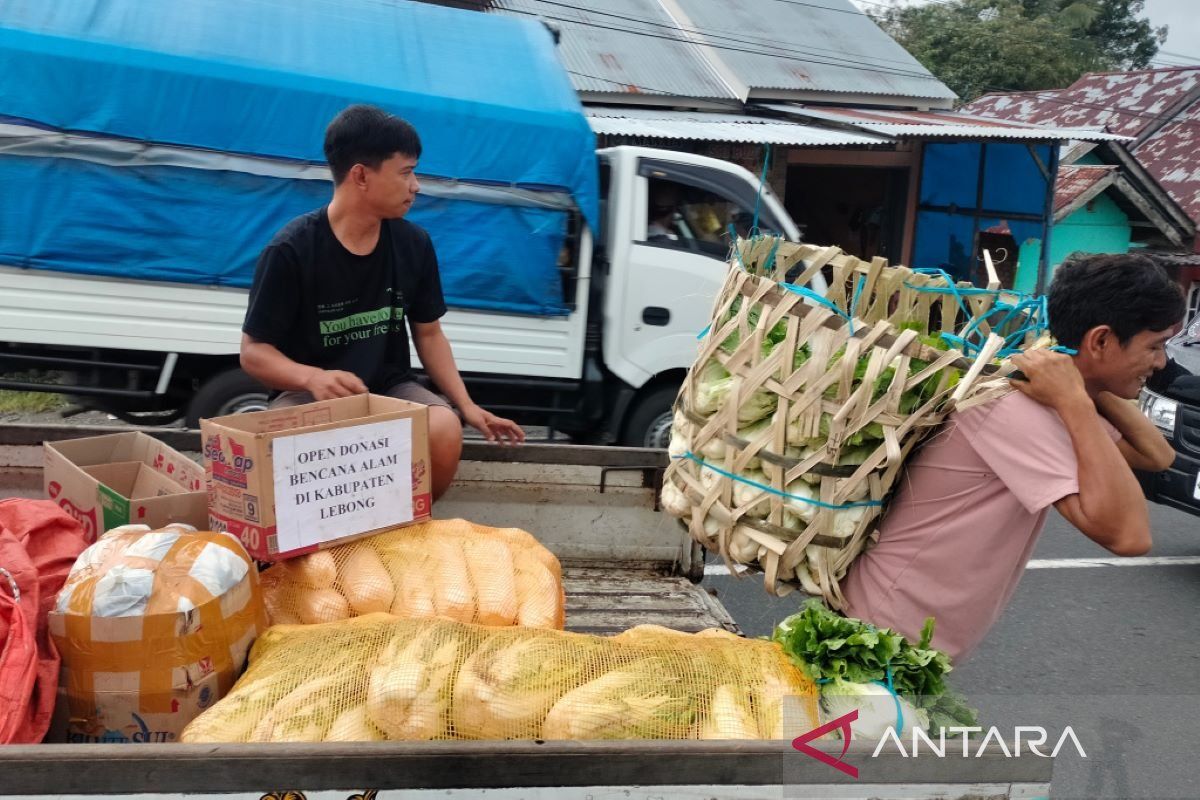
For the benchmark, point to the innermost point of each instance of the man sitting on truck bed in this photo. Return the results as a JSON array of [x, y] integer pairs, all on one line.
[[333, 289], [956, 538]]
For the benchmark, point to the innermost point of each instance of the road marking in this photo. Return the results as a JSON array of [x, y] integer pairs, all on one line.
[[1059, 563], [1139, 561]]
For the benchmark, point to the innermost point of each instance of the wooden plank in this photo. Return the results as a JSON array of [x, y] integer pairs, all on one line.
[[131, 769], [580, 569], [611, 622], [609, 600]]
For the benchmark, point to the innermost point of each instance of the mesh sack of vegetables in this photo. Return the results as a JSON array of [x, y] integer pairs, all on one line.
[[378, 677], [794, 422], [442, 568]]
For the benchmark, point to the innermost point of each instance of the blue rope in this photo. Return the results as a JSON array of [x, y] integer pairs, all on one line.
[[854, 303], [762, 182], [819, 300], [771, 256], [1032, 308], [891, 687], [772, 490], [733, 237]]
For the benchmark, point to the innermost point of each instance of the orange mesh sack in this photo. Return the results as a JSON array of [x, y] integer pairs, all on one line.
[[442, 568], [378, 677], [153, 628]]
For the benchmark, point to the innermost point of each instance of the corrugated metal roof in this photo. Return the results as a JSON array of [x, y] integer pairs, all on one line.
[[936, 124], [1119, 102], [665, 124], [1169, 154], [1160, 107], [816, 45], [627, 47], [1076, 180]]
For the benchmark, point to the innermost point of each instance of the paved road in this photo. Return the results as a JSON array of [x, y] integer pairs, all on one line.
[[1112, 651]]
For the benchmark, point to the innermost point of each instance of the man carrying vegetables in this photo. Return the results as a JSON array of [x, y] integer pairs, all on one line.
[[334, 288], [964, 522]]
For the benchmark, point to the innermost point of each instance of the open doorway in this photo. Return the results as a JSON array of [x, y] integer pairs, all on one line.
[[859, 209]]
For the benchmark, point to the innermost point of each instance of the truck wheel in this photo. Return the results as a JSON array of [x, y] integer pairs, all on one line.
[[649, 423], [229, 392]]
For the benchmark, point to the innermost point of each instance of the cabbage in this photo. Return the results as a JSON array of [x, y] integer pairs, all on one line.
[[774, 336], [742, 548], [744, 494], [758, 405], [681, 441], [876, 709], [853, 456], [674, 501], [846, 521], [712, 387], [805, 511]]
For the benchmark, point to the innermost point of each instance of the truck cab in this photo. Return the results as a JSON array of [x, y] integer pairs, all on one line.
[[667, 223]]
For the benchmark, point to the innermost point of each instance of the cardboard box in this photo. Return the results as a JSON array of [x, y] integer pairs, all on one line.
[[294, 480], [124, 478]]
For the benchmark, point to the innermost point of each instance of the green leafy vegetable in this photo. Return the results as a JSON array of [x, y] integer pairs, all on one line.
[[828, 646]]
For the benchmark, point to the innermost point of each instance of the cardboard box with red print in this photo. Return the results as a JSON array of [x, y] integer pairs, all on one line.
[[294, 480], [124, 478]]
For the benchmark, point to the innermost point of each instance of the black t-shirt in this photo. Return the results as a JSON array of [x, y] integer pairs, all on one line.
[[326, 307]]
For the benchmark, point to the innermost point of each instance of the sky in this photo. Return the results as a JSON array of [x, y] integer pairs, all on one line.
[[1183, 38], [1180, 16]]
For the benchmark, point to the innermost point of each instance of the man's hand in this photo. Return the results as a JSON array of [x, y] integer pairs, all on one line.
[[1051, 378], [493, 428], [330, 384]]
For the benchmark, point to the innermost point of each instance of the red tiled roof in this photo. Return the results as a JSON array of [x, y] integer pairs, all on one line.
[[1074, 180]]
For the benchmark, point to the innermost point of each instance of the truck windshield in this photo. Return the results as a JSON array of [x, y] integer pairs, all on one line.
[[688, 217]]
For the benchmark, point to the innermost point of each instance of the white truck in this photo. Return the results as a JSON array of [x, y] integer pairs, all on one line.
[[191, 137], [608, 371], [624, 564]]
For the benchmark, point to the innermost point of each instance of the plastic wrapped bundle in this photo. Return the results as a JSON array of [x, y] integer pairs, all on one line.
[[153, 627]]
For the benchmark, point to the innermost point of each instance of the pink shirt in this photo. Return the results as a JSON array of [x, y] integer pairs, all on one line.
[[963, 523]]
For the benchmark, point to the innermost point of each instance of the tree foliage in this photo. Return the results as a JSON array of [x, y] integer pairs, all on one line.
[[976, 46]]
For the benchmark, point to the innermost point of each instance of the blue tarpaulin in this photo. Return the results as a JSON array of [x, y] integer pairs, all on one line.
[[187, 132]]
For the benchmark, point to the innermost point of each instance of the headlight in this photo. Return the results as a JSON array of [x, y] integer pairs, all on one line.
[[1159, 410]]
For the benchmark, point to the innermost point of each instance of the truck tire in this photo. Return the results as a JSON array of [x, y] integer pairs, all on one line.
[[228, 392], [649, 423]]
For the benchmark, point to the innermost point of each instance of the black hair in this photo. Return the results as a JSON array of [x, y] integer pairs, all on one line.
[[367, 135], [1129, 293]]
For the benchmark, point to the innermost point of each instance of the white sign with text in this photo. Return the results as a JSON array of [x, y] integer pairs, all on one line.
[[341, 482]]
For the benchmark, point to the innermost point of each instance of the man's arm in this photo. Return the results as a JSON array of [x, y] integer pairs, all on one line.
[[1141, 444], [1109, 507], [267, 365], [437, 358]]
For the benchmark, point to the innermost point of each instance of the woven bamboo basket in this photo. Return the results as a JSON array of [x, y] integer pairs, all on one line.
[[794, 423]]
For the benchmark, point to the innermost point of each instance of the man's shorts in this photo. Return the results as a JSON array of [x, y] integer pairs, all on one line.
[[412, 391]]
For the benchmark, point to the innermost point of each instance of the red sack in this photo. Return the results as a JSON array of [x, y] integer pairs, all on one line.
[[39, 543]]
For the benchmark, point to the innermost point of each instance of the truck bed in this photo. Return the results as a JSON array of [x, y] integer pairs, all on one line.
[[624, 563]]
